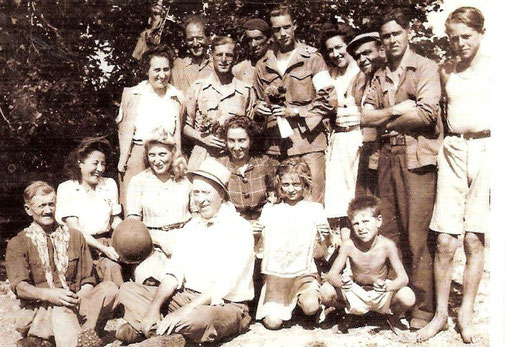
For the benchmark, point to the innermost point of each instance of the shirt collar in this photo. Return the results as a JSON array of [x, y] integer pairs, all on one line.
[[211, 81], [189, 61], [171, 93], [224, 212], [301, 53]]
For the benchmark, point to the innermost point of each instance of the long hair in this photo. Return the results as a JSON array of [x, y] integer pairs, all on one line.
[[293, 166], [160, 136]]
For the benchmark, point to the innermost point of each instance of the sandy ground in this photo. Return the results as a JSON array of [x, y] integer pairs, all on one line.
[[368, 331]]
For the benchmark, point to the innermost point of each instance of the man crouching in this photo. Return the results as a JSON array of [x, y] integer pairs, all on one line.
[[203, 298], [51, 271]]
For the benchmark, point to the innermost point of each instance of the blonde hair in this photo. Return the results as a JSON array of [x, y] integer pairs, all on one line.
[[160, 136], [293, 166]]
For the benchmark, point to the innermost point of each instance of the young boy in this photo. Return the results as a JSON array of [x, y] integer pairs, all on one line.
[[365, 286]]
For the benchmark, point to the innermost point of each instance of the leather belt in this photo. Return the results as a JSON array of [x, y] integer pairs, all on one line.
[[472, 136], [398, 140], [346, 129], [169, 226]]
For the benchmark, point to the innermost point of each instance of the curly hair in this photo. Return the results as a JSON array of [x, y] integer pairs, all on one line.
[[363, 203], [160, 136], [293, 166], [156, 51], [470, 16], [242, 122], [87, 146]]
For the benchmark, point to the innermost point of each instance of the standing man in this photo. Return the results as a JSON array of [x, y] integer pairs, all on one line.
[[303, 74], [212, 100], [367, 51], [204, 295], [51, 271], [345, 140], [403, 105], [197, 64], [256, 35]]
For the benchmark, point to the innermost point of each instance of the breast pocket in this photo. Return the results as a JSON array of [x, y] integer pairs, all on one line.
[[300, 88], [73, 263]]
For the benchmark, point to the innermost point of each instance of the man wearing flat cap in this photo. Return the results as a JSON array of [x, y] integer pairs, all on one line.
[[367, 51], [203, 297], [256, 35]]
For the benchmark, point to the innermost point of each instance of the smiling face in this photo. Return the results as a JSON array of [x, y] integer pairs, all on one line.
[[395, 40], [365, 225], [159, 72], [238, 144], [283, 28], [337, 53], [223, 57], [41, 208], [208, 196], [159, 157], [92, 168], [196, 40], [256, 42], [291, 188], [368, 57], [464, 40]]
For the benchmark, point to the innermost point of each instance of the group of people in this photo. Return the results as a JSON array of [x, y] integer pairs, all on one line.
[[255, 185]]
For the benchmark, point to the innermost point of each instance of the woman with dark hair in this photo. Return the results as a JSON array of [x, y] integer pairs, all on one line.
[[159, 196], [88, 202], [251, 175], [150, 104]]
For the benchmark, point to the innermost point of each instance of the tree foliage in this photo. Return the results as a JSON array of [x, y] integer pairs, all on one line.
[[54, 90]]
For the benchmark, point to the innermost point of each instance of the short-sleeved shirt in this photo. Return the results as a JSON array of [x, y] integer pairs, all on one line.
[[185, 72], [248, 185], [208, 98], [23, 262], [244, 71], [289, 236], [416, 79], [301, 93], [158, 203], [94, 209]]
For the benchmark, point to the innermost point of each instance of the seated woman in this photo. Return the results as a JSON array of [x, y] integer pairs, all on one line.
[[159, 196], [251, 175], [293, 231], [150, 104], [88, 202]]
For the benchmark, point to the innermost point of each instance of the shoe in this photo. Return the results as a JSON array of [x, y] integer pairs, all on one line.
[[89, 338], [173, 340], [33, 341], [127, 334]]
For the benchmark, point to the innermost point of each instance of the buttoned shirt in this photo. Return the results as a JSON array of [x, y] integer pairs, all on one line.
[[216, 256], [209, 98], [244, 71], [418, 80], [185, 72], [248, 185], [359, 88], [303, 92], [23, 262], [94, 209]]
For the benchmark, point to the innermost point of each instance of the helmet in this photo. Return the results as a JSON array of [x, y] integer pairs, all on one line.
[[132, 241]]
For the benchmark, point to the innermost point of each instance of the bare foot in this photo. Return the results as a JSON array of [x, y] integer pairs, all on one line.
[[465, 326], [396, 326], [437, 324]]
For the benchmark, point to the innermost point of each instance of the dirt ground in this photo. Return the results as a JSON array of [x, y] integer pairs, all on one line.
[[371, 331]]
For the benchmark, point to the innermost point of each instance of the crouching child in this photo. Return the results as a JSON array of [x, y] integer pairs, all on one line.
[[363, 285]]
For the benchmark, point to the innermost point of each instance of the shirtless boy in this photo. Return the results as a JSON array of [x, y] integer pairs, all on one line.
[[365, 286]]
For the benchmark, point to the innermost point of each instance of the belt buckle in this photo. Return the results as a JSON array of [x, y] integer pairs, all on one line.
[[398, 140], [166, 228]]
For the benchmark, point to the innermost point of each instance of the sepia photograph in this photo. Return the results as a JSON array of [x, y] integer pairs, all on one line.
[[250, 173]]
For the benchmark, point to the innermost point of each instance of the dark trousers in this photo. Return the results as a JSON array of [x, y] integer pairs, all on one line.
[[407, 199], [366, 183]]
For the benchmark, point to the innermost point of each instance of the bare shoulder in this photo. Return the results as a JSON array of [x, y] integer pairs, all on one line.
[[386, 244]]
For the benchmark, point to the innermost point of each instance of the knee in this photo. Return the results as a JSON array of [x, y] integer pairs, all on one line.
[[446, 245], [406, 297], [272, 322], [309, 304], [328, 294], [474, 244]]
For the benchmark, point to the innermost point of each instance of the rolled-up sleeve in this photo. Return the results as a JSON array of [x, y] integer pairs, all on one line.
[[67, 204]]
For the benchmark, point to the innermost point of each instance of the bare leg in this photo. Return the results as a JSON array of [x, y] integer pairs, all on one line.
[[446, 247], [403, 300], [309, 302], [474, 251]]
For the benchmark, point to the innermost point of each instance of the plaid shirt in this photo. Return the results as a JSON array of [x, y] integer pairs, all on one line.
[[248, 189]]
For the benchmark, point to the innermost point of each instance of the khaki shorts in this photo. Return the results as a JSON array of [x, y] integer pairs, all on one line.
[[463, 187]]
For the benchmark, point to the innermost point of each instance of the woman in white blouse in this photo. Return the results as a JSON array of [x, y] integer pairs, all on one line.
[[159, 196], [88, 202], [151, 104]]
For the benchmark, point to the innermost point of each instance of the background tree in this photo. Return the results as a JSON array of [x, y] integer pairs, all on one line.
[[64, 63]]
